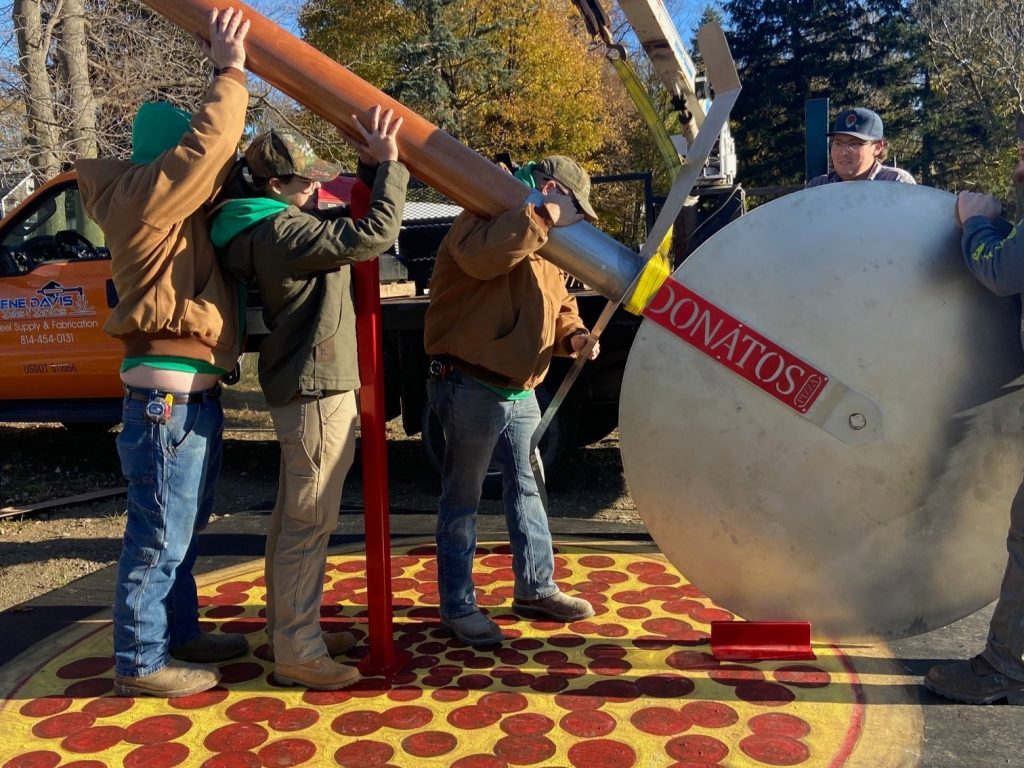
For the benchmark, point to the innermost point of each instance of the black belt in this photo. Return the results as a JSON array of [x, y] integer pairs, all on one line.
[[144, 395]]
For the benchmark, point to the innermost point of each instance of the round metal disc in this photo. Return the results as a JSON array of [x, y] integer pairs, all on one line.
[[885, 532]]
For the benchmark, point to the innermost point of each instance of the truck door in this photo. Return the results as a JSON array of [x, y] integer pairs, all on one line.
[[55, 295]]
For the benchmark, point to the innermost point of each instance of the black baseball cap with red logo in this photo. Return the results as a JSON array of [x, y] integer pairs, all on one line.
[[860, 123]]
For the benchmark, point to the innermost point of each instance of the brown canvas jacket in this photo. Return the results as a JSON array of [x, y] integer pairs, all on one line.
[[495, 303], [173, 297], [300, 263]]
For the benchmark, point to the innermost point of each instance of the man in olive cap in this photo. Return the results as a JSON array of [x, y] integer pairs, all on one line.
[[858, 148], [498, 312], [178, 319]]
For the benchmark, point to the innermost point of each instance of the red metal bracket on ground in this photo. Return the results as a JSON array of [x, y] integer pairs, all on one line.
[[761, 640]]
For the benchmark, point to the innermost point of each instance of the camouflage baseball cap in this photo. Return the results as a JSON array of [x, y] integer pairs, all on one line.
[[276, 154], [568, 173]]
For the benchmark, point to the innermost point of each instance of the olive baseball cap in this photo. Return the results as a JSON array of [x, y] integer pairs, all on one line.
[[276, 154], [860, 123], [568, 173]]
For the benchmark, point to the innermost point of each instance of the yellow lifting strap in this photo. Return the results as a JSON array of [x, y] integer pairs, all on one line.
[[658, 267]]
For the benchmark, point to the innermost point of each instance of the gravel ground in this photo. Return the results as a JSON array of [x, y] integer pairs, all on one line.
[[42, 551]]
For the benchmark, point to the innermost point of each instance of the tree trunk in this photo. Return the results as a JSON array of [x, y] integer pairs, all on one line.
[[33, 47], [74, 53]]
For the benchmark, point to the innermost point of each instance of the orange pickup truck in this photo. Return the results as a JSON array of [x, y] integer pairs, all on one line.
[[56, 364]]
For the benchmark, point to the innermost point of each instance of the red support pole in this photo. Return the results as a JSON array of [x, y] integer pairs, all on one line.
[[382, 658]]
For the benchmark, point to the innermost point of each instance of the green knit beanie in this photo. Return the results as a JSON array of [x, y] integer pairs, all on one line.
[[157, 127]]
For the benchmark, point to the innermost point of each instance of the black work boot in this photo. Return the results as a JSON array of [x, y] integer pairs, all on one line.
[[974, 681]]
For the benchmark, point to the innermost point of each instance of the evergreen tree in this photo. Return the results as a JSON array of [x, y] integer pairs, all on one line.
[[854, 53]]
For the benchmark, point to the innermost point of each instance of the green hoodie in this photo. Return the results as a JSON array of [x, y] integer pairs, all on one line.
[[236, 216]]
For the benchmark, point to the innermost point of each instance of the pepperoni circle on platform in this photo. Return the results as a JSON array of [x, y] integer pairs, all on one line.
[[254, 710], [768, 694], [45, 707], [90, 667], [429, 743], [40, 758], [665, 686], [602, 753], [696, 747], [472, 717], [407, 717], [91, 688], [524, 750], [504, 702], [294, 719], [241, 736], [659, 721], [107, 707], [233, 760], [287, 752], [709, 714], [775, 750], [153, 730], [779, 724], [359, 723], [59, 726], [157, 756], [587, 724], [803, 676], [95, 739], [527, 724], [201, 700], [479, 761], [364, 754]]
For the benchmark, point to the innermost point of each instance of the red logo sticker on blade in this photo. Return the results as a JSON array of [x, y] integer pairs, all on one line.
[[741, 349]]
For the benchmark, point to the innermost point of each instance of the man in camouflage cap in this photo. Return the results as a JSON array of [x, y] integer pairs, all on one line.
[[299, 257]]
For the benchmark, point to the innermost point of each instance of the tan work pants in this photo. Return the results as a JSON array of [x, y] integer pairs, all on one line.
[[317, 437], [1005, 647]]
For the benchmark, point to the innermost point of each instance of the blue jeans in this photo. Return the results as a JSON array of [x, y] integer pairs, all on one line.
[[479, 423], [172, 472], [1004, 649]]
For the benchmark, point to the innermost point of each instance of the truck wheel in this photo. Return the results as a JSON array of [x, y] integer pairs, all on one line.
[[551, 446]]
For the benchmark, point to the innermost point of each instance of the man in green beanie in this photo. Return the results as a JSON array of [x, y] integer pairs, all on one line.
[[178, 319]]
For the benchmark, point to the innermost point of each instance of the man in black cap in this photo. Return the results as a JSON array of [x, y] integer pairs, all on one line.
[[858, 148], [498, 312]]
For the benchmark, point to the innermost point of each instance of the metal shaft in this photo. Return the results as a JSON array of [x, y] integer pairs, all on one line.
[[435, 157]]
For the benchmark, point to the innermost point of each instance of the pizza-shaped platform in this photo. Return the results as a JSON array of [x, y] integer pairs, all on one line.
[[636, 685]]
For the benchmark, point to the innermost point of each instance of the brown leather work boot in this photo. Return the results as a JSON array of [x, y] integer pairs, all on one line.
[[556, 607], [212, 647], [337, 643], [321, 674], [974, 681], [178, 678]]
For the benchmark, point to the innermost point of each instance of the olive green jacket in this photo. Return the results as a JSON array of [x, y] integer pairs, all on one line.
[[300, 261]]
